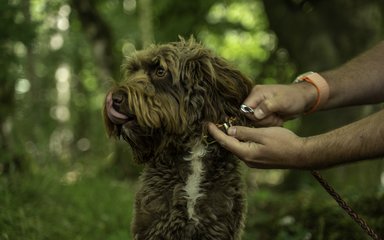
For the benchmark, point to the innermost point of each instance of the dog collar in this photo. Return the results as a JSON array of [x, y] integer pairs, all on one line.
[[229, 122]]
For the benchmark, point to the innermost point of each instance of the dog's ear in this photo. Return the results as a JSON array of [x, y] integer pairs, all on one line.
[[229, 88], [216, 88]]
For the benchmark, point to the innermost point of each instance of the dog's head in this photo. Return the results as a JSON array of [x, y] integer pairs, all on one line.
[[169, 93]]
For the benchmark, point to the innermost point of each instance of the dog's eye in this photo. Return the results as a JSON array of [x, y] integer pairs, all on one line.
[[160, 71]]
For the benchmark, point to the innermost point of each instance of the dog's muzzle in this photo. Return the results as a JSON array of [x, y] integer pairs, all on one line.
[[113, 105]]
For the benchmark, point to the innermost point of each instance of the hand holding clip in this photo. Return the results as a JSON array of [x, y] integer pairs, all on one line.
[[271, 120], [245, 109]]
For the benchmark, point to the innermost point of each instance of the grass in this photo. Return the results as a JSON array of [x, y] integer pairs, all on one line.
[[76, 203], [59, 206]]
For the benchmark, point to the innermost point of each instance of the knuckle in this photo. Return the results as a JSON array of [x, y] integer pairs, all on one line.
[[223, 143], [271, 104], [255, 87], [251, 154]]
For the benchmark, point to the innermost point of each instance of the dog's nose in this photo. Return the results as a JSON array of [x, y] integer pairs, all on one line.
[[118, 98]]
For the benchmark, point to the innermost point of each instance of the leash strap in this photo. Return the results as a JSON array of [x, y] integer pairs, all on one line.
[[345, 206]]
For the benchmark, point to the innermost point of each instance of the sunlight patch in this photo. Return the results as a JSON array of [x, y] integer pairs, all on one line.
[[22, 86], [71, 177]]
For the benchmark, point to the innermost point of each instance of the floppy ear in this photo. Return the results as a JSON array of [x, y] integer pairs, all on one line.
[[229, 88], [216, 89]]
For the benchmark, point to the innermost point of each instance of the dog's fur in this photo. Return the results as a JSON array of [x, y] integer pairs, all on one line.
[[191, 187]]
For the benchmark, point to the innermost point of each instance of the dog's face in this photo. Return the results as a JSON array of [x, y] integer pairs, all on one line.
[[169, 93]]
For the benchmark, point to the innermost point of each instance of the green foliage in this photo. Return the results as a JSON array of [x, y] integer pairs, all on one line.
[[57, 204], [239, 31], [247, 42], [73, 202], [58, 61], [17, 31], [308, 214]]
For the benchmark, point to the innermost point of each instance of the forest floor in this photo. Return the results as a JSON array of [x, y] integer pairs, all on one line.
[[70, 203]]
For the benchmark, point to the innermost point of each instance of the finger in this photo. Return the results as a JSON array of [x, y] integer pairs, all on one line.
[[230, 143], [268, 107], [220, 136], [247, 134], [254, 98], [269, 121], [257, 164], [249, 152], [259, 112], [258, 100], [263, 164]]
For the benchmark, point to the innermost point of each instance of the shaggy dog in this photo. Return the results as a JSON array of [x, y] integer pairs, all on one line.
[[191, 188]]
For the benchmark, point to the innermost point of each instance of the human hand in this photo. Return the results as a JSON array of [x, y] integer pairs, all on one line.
[[273, 104], [273, 147]]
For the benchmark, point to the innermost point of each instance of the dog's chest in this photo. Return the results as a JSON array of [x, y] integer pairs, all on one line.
[[190, 194], [198, 185], [192, 186]]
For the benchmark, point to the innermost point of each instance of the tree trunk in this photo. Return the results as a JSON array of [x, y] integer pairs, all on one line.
[[145, 22], [12, 159], [100, 37]]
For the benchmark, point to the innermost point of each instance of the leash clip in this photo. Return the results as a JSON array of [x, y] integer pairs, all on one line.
[[245, 109], [229, 121]]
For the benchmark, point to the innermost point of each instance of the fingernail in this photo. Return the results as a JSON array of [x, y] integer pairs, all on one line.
[[259, 114], [231, 131]]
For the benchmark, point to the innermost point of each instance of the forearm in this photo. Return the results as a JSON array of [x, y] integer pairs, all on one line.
[[359, 81], [360, 140]]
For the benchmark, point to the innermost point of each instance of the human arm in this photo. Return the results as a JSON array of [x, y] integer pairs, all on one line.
[[277, 147], [359, 81]]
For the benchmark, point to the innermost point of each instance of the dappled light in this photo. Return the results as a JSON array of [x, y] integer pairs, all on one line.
[[63, 177], [249, 44], [129, 5], [56, 41], [61, 110], [22, 86]]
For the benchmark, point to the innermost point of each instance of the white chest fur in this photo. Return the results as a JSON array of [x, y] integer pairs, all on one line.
[[194, 180]]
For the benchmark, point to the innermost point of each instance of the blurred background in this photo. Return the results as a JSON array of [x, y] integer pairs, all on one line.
[[62, 178]]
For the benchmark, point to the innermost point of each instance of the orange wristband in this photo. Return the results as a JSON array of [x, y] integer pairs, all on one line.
[[321, 86]]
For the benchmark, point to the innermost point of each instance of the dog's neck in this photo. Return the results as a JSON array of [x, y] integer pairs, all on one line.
[[194, 166]]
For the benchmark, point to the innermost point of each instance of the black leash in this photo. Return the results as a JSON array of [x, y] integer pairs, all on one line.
[[345, 206]]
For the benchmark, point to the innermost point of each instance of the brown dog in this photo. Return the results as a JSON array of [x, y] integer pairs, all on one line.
[[191, 187]]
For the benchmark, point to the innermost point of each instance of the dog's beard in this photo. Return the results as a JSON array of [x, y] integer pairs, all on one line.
[[149, 124], [143, 115], [141, 141]]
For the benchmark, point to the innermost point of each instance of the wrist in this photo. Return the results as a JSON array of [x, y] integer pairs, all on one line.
[[308, 94], [314, 154], [321, 86], [303, 158]]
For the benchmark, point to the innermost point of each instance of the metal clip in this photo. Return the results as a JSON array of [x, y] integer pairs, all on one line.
[[226, 126], [245, 109], [229, 121]]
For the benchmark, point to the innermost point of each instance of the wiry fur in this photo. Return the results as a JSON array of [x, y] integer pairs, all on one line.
[[191, 187]]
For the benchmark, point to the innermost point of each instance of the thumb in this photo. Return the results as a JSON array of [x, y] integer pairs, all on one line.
[[246, 134], [267, 108]]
